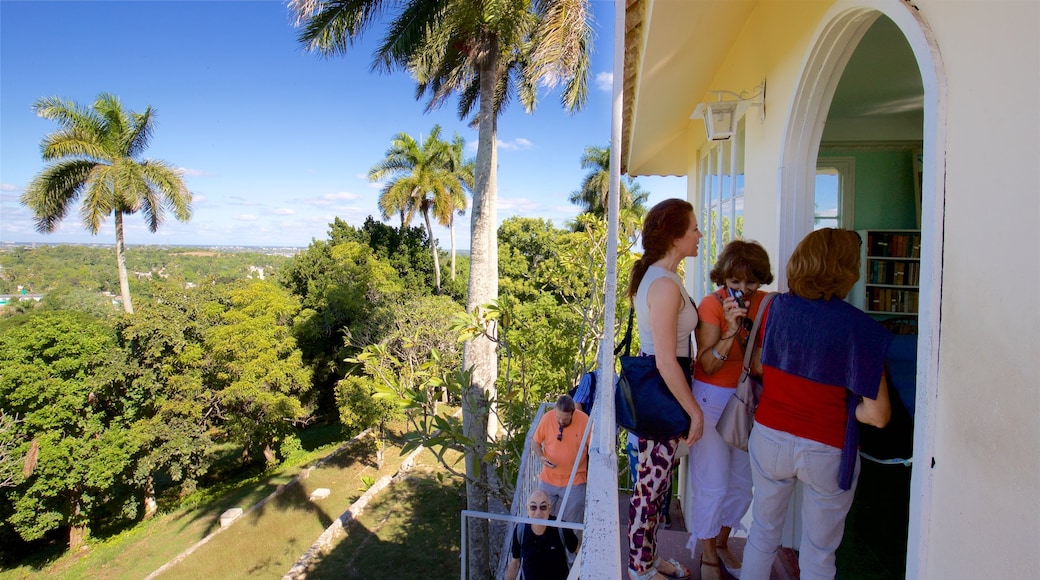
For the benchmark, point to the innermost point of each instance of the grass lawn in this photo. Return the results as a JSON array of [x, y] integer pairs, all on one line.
[[266, 542], [146, 547], [411, 529]]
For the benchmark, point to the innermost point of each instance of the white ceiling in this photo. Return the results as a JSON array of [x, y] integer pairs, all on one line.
[[881, 85]]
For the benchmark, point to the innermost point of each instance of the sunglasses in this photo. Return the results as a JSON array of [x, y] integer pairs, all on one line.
[[559, 436], [538, 508]]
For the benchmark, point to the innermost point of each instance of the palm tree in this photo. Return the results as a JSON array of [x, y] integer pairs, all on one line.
[[461, 172], [485, 50], [592, 197], [397, 201], [419, 180], [96, 156]]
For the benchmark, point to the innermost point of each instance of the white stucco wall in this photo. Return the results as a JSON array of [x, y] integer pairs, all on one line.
[[980, 516], [985, 504]]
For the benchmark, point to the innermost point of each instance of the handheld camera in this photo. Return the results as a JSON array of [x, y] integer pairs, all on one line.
[[737, 296]]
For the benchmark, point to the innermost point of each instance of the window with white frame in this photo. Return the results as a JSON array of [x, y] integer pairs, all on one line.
[[835, 191], [721, 211]]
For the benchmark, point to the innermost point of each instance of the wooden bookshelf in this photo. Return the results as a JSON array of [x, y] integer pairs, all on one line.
[[890, 273]]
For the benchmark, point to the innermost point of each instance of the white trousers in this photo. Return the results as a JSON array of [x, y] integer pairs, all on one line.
[[719, 491]]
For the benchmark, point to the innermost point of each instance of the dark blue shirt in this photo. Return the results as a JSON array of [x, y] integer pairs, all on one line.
[[544, 557]]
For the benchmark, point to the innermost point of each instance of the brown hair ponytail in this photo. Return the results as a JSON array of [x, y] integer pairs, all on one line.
[[664, 223]]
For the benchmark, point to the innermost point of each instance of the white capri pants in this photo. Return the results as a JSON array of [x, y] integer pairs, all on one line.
[[720, 475]]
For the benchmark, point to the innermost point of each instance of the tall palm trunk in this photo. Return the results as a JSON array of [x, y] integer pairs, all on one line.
[[433, 248], [451, 228], [479, 356], [124, 280]]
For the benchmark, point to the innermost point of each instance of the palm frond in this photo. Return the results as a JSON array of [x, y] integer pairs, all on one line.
[[51, 193], [169, 183], [560, 54], [74, 142], [139, 134], [66, 113], [408, 35], [98, 199], [330, 27]]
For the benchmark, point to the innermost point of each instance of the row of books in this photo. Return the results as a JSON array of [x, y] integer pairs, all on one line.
[[893, 272], [894, 244], [892, 300]]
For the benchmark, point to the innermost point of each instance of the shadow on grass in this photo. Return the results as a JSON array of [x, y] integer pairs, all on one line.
[[293, 498], [411, 529], [246, 494]]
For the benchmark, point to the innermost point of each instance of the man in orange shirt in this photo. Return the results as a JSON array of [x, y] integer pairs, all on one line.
[[556, 446]]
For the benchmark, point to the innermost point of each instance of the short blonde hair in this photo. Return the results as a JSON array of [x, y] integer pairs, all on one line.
[[825, 264]]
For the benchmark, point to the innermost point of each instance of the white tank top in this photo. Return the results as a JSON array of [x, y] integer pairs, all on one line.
[[686, 322]]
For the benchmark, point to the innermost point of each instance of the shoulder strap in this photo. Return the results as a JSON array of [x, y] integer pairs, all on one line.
[[754, 329], [721, 299], [626, 342]]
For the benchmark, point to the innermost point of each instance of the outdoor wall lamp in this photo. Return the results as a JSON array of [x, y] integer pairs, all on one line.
[[721, 116]]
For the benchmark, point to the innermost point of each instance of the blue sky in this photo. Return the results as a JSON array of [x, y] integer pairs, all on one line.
[[274, 142]]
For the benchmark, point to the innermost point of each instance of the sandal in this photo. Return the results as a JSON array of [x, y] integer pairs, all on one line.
[[648, 575], [711, 574], [679, 572], [729, 561]]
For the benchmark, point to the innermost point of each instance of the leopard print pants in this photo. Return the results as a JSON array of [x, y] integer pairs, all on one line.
[[653, 484]]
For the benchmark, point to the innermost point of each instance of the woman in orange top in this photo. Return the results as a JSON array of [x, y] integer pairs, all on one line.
[[720, 475]]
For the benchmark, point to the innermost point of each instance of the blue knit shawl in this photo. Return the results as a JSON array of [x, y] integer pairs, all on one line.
[[833, 343]]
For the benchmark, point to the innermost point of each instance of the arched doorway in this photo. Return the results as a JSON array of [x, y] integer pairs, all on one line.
[[835, 43]]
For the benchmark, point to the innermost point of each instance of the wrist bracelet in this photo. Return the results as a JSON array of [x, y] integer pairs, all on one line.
[[716, 354]]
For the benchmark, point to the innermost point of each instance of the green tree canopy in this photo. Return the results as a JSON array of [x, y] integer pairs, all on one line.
[[62, 376], [256, 368], [165, 340]]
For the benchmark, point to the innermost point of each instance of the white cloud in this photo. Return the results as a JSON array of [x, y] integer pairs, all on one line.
[[518, 205], [9, 187], [188, 172], [239, 200], [340, 196], [518, 144], [284, 211], [605, 82], [245, 217]]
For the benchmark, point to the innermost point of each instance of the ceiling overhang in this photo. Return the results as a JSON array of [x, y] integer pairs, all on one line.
[[673, 51]]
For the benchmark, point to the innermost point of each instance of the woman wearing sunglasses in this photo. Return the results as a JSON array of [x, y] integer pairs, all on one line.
[[538, 550]]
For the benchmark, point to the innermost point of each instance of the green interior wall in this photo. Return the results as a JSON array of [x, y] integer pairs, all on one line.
[[884, 188]]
